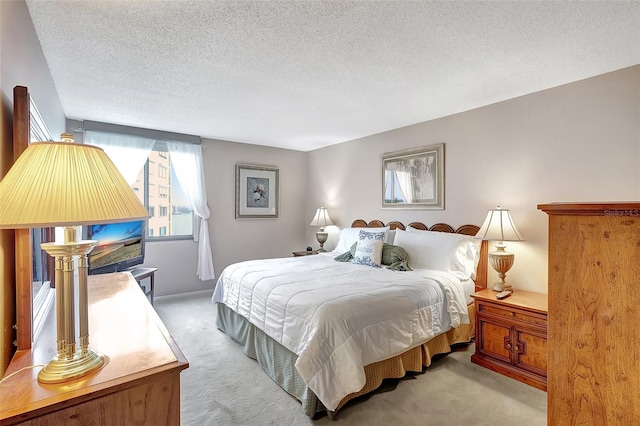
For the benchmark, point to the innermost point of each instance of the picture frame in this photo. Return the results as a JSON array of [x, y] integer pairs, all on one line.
[[414, 178], [257, 192]]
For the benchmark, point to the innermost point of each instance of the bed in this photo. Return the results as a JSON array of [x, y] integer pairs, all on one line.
[[328, 332]]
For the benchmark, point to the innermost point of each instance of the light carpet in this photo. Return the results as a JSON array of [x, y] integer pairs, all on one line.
[[222, 386]]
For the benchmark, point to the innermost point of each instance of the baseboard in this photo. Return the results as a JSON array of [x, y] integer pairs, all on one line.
[[183, 295]]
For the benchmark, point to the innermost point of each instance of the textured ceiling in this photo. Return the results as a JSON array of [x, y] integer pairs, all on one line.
[[307, 74]]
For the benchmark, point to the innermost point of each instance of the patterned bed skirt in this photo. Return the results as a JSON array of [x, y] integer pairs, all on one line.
[[279, 363]]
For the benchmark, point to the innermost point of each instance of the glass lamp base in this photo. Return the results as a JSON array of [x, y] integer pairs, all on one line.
[[322, 236]]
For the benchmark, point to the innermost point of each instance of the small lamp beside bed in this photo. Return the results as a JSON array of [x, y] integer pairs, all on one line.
[[321, 219], [499, 226]]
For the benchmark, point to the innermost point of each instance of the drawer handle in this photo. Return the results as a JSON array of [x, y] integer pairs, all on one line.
[[512, 314], [508, 346]]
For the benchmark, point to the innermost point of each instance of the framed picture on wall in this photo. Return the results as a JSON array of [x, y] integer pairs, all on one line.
[[414, 179], [257, 191]]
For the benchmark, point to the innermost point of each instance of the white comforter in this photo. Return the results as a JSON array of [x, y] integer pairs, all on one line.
[[338, 317]]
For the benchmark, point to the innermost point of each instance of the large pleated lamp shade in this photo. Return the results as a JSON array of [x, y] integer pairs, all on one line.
[[67, 184], [499, 226]]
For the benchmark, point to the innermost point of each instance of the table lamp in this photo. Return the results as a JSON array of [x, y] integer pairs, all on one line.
[[499, 226], [321, 219], [67, 184]]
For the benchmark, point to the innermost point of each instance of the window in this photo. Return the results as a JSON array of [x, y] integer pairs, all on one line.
[[161, 193], [43, 277], [38, 262], [135, 147], [156, 184]]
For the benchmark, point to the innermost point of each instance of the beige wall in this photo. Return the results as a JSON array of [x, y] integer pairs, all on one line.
[[21, 64], [577, 142]]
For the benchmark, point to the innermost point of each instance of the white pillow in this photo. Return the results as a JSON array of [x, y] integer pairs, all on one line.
[[410, 229], [473, 252], [454, 253], [369, 248], [391, 236], [348, 236]]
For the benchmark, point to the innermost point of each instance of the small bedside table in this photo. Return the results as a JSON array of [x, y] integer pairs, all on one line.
[[139, 274], [511, 335], [305, 253]]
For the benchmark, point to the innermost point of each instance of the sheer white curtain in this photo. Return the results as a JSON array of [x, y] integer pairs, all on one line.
[[186, 159], [128, 153]]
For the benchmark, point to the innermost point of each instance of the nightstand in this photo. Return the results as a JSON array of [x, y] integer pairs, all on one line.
[[511, 335], [305, 253], [139, 274]]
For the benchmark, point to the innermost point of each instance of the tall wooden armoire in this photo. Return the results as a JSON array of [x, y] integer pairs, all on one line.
[[593, 341]]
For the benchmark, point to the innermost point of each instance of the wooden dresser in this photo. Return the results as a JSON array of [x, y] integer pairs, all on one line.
[[140, 383], [511, 335], [594, 312]]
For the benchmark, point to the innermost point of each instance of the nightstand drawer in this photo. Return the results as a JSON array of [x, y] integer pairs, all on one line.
[[530, 318]]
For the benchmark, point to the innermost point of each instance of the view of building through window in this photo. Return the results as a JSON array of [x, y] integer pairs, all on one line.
[[159, 190]]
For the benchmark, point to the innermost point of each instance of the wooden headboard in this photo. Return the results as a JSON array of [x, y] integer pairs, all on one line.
[[481, 272]]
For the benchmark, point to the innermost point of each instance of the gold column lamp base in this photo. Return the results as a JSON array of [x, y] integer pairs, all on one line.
[[70, 363], [501, 261], [322, 236], [62, 370]]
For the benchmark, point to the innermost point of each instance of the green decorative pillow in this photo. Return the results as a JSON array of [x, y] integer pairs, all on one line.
[[394, 257]]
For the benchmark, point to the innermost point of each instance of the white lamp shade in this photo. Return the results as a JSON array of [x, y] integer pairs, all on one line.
[[65, 184], [321, 218], [499, 226]]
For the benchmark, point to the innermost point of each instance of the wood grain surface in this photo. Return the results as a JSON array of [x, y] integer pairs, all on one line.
[[139, 384], [594, 348]]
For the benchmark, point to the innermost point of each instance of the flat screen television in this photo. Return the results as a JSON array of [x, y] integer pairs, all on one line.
[[120, 246]]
